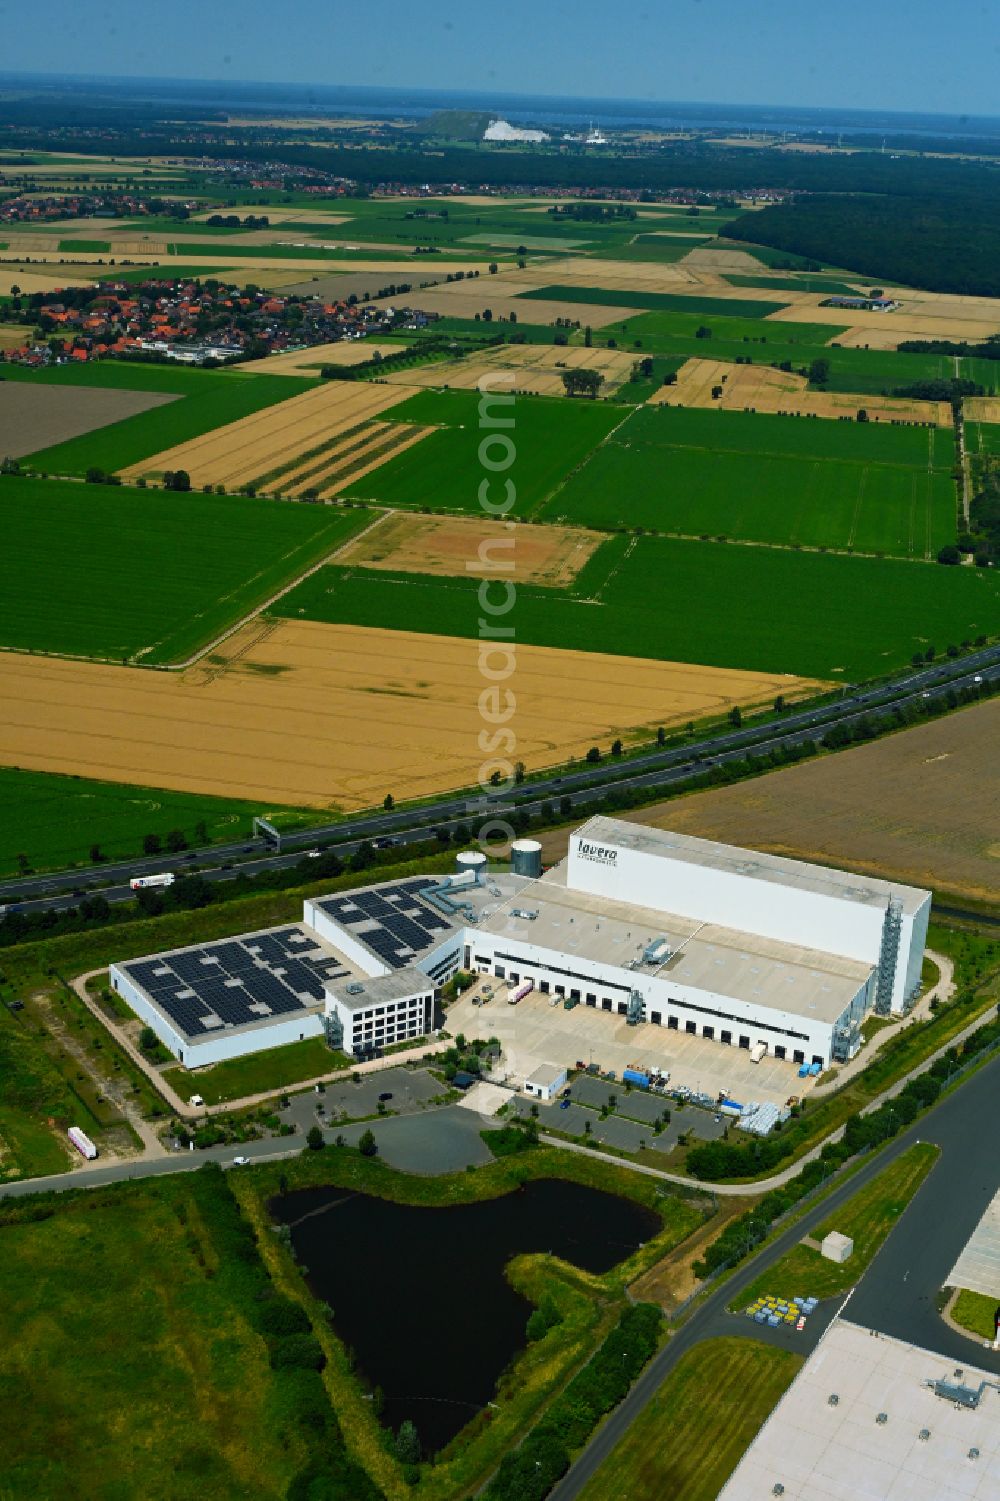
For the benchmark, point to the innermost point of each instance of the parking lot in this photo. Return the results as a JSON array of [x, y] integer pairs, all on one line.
[[630, 1126], [409, 1088], [535, 1032]]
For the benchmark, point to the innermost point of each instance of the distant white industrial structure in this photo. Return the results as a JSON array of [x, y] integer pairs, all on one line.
[[751, 951], [503, 130]]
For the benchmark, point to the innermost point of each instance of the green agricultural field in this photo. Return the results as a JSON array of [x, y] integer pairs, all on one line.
[[550, 436], [669, 302], [803, 282], [983, 438], [678, 332], [718, 1398], [54, 820], [112, 572], [762, 478], [128, 1366], [210, 399], [816, 614]]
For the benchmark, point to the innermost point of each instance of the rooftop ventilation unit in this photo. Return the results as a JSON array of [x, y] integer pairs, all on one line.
[[355, 989], [657, 952], [882, 1419]]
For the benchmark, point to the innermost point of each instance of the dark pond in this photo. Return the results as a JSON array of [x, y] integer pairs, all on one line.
[[420, 1293]]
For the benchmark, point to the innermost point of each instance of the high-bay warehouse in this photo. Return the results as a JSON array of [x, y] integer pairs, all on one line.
[[674, 937]]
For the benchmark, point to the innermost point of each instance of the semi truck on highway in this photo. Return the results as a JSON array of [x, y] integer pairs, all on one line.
[[142, 883]]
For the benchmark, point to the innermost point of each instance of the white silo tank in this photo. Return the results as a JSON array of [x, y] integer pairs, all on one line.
[[471, 862], [526, 857]]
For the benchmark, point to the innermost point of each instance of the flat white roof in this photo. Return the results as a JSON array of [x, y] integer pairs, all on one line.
[[841, 1452], [842, 884], [546, 1075], [704, 956], [361, 991]]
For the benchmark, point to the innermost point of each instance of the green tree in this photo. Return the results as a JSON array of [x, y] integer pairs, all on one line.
[[735, 716], [148, 1039], [314, 1138], [819, 372], [152, 844], [388, 802], [582, 382], [176, 841], [367, 1144], [407, 1443]]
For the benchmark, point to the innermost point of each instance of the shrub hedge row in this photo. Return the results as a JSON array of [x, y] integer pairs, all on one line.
[[530, 1472]]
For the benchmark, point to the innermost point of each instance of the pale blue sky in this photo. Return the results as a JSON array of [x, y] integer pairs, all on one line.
[[880, 54]]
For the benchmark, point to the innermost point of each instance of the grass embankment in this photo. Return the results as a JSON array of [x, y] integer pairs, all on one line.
[[590, 1305], [975, 1312], [258, 1073], [151, 1383], [692, 1435], [54, 820], [867, 1218]]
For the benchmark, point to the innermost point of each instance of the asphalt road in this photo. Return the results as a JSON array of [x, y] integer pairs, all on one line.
[[657, 768], [896, 1295]]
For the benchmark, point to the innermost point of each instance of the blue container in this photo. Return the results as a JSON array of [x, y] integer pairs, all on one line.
[[634, 1076]]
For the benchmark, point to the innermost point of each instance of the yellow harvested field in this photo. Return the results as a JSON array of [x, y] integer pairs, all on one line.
[[309, 361], [13, 335], [982, 408], [948, 319], [464, 546], [767, 390], [34, 278], [273, 438], [337, 716], [533, 369], [466, 299], [359, 449]]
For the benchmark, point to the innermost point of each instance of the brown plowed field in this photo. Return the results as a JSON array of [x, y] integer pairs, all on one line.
[[768, 390], [34, 417], [450, 546], [922, 806], [271, 439], [327, 715]]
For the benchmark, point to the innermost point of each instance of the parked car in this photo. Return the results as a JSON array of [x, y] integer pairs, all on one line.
[[565, 1104], [240, 1161], [386, 1095]]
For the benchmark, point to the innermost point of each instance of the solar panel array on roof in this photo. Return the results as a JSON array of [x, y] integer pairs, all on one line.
[[392, 921], [238, 981]]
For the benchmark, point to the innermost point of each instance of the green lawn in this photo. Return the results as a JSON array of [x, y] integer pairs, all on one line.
[[688, 1440], [210, 399], [54, 819], [127, 1365], [867, 1218], [761, 478], [258, 1073], [803, 282], [671, 302], [984, 437], [815, 614], [95, 570], [550, 437], [975, 1312]]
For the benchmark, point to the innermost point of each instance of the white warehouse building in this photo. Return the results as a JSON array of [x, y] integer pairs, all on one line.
[[752, 951]]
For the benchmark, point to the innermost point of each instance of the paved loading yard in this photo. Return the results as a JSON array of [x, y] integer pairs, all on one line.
[[534, 1032], [620, 1129]]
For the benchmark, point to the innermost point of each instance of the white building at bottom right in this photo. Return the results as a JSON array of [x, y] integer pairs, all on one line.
[[869, 1418]]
